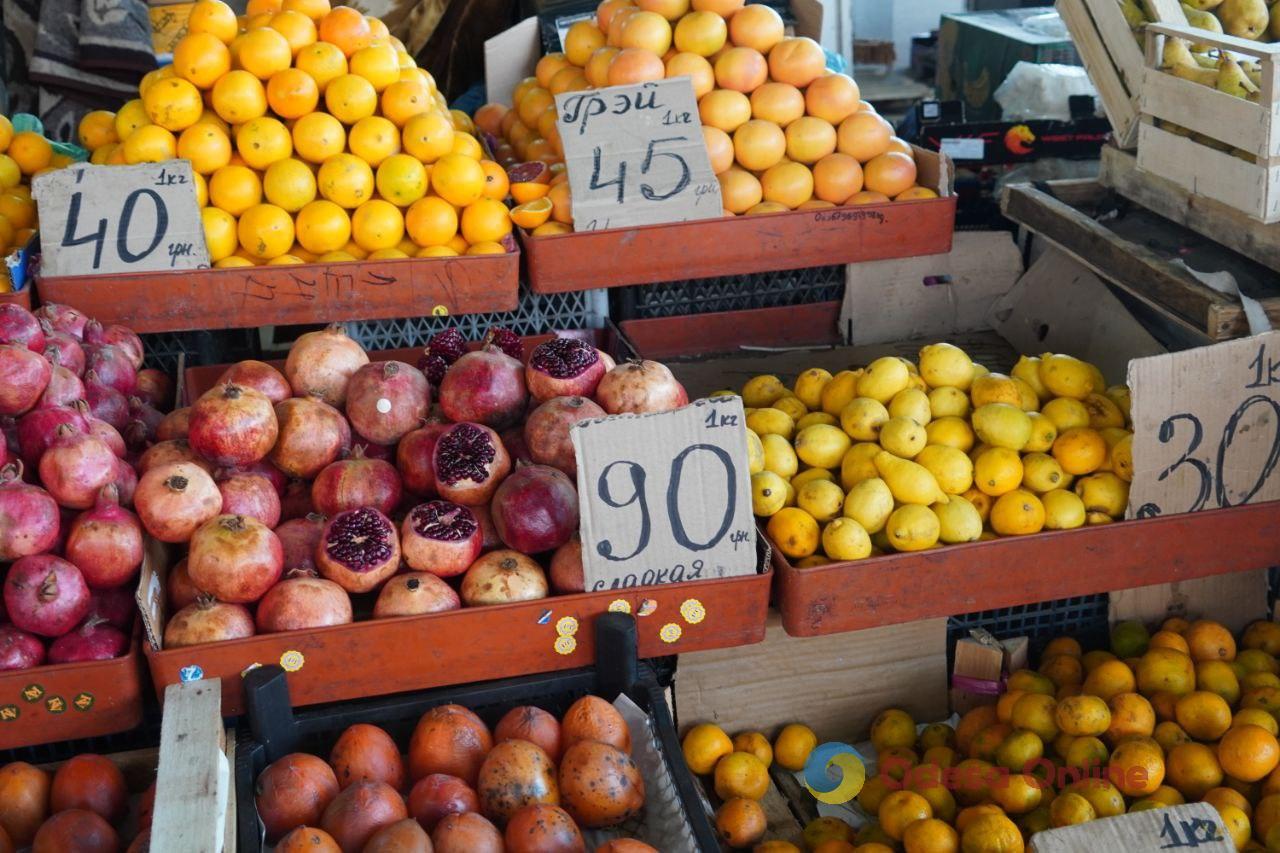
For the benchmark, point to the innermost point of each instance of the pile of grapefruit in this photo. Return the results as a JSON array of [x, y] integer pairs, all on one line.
[[314, 136]]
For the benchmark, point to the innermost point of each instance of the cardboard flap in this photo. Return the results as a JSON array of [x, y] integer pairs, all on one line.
[[150, 595], [509, 57], [1195, 825]]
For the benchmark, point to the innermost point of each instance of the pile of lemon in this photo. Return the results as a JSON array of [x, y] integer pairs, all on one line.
[[782, 131], [314, 137], [23, 155], [906, 456]]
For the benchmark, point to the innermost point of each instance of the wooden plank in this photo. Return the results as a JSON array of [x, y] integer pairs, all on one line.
[[193, 784], [1215, 174], [1217, 115], [1168, 11], [1234, 600], [1105, 69], [1120, 41]]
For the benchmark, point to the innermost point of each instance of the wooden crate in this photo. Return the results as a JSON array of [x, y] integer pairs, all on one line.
[[17, 297], [1252, 128]]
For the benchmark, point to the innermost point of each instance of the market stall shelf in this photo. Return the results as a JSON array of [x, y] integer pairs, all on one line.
[[17, 297]]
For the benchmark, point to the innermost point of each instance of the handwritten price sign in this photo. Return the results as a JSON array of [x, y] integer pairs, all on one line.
[[1206, 427], [1194, 826], [665, 498], [110, 219], [636, 155]]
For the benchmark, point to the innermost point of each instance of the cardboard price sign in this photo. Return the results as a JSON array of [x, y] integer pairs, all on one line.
[[636, 155], [113, 219], [665, 498], [1192, 826], [1206, 427]]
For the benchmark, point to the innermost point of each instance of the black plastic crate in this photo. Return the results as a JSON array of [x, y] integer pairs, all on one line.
[[1083, 617], [728, 293], [272, 729]]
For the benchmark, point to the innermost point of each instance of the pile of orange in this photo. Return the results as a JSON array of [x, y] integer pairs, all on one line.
[[314, 136], [23, 155], [782, 132]]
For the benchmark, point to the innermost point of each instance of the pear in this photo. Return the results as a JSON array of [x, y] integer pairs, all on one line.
[[1202, 5], [1134, 16], [1202, 21], [1195, 73], [1232, 79], [1246, 19], [1273, 31], [910, 482], [1176, 52]]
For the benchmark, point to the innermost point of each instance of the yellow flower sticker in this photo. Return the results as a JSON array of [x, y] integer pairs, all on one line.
[[440, 311], [565, 645], [693, 611], [566, 626], [670, 632], [292, 661], [619, 605]]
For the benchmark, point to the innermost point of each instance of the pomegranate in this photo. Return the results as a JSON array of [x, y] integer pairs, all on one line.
[[64, 387], [232, 425], [356, 482], [96, 639], [76, 467], [207, 621], [414, 593], [113, 366], [174, 425], [489, 538], [38, 429], [299, 538], [105, 402], [563, 367], [250, 495], [296, 501], [45, 595], [359, 549], [486, 387], [640, 387], [95, 334], [535, 509], [109, 435], [414, 459], [168, 452], [470, 462], [546, 432], [181, 591], [385, 400], [302, 601], [19, 327], [501, 577], [322, 362], [566, 567], [63, 318], [19, 649], [440, 537], [373, 451], [125, 481], [513, 441], [265, 469], [313, 434], [258, 375], [114, 606], [234, 558], [173, 500], [65, 348], [105, 543], [442, 350], [149, 415], [156, 388], [23, 378]]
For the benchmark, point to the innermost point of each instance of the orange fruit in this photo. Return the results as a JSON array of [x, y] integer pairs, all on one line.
[[867, 197], [1203, 715], [31, 151], [646, 31], [150, 144], [263, 52], [742, 69], [292, 93], [97, 157], [486, 248], [436, 252], [548, 66], [322, 226], [1131, 714], [431, 221], [550, 229], [836, 177], [606, 10], [672, 10], [992, 832], [597, 68], [350, 98], [233, 261], [265, 231], [739, 190], [568, 79], [798, 61], [17, 211], [1079, 450], [345, 180], [741, 822], [219, 232], [377, 63], [489, 118], [346, 28], [1137, 768], [635, 65], [531, 214], [200, 59], [401, 180], [810, 139], [900, 809], [532, 104], [864, 136], [788, 184], [780, 103], [496, 184], [1248, 753], [318, 136], [263, 141], [930, 835], [298, 29], [377, 28], [1193, 769], [428, 137], [374, 139], [403, 100], [131, 116], [723, 8], [289, 184], [758, 145], [1262, 635], [213, 17], [719, 148], [457, 179], [582, 40], [174, 104], [700, 32], [703, 746], [467, 145], [261, 7], [313, 9], [915, 194], [323, 61], [238, 97], [282, 260], [890, 173], [485, 220], [206, 146], [833, 98], [613, 35], [377, 224], [756, 26], [235, 189], [1209, 640], [561, 203], [96, 129], [696, 68], [741, 774], [725, 109]]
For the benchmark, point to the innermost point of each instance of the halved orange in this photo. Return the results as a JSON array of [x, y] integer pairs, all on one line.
[[531, 214], [526, 191]]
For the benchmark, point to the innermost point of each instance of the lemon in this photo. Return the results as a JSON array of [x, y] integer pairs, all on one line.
[[949, 466], [1030, 401], [958, 521], [845, 539], [792, 406], [838, 393], [1017, 513], [1028, 370], [761, 391], [1067, 376], [809, 386], [822, 499], [794, 532], [1103, 493], [822, 445], [1043, 433], [869, 503], [1099, 381], [859, 464], [1103, 412], [952, 432], [816, 418], [979, 370], [884, 378], [1066, 413], [1063, 510], [981, 502], [902, 437], [1122, 458], [996, 471], [768, 493], [723, 392], [863, 417], [790, 500], [755, 453], [771, 421], [812, 474], [1041, 473], [1001, 425], [913, 527], [911, 403], [946, 364], [948, 402], [909, 482], [1119, 394], [994, 388], [779, 457]]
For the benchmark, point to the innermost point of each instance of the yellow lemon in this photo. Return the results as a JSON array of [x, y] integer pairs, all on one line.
[[812, 474], [809, 386], [770, 421], [1002, 425], [1122, 458], [768, 493], [1028, 370], [1119, 394], [1029, 401], [779, 457], [994, 388], [814, 418], [884, 378], [870, 503], [910, 482], [913, 527], [1043, 433], [948, 401], [951, 431], [859, 464], [822, 499], [1042, 473], [761, 391], [822, 446], [958, 521], [1017, 513], [946, 364], [840, 391], [792, 406], [794, 532], [902, 437], [949, 466], [755, 453], [1103, 412], [863, 417], [1066, 413], [1067, 376], [997, 471], [911, 403], [1104, 492], [846, 539]]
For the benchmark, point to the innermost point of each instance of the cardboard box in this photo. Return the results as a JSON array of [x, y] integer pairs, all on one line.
[[1194, 825], [168, 25]]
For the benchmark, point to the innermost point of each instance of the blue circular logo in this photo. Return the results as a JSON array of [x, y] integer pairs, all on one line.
[[828, 788]]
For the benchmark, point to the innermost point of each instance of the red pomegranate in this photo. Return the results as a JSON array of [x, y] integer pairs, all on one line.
[[299, 538], [64, 387], [513, 441], [207, 621], [76, 467], [109, 435], [114, 606], [96, 334], [386, 400], [546, 432], [179, 588], [640, 387], [20, 327], [174, 425], [96, 639], [296, 500], [501, 577], [563, 367], [260, 376], [322, 362], [105, 402], [234, 558], [414, 593], [23, 377], [438, 795], [173, 500], [359, 549], [113, 366], [355, 482], [535, 509], [45, 595], [155, 387], [440, 537], [566, 567], [250, 495], [485, 387], [63, 318], [301, 601], [489, 538], [169, 452], [126, 482], [470, 462], [19, 649], [232, 425], [105, 542], [265, 469], [414, 459], [38, 429], [313, 434], [141, 410], [66, 348]]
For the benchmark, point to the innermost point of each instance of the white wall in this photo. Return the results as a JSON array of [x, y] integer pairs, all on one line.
[[885, 19]]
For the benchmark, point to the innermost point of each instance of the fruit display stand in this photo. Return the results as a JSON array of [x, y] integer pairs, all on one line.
[[17, 297], [672, 819]]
